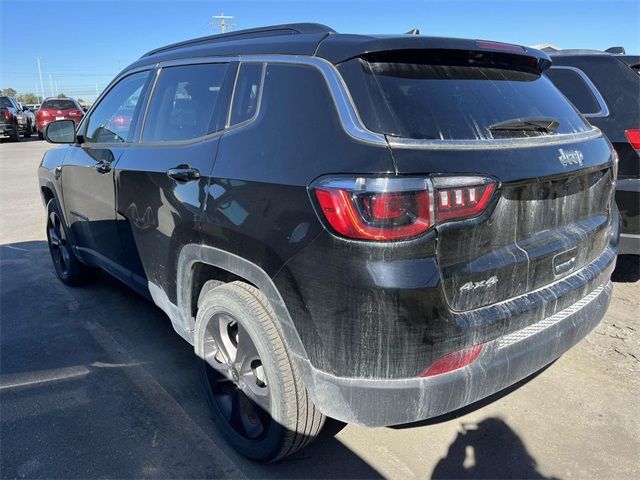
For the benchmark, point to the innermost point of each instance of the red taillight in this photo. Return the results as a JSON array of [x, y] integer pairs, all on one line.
[[75, 113], [379, 216], [44, 113], [633, 135], [7, 115], [453, 361], [395, 208]]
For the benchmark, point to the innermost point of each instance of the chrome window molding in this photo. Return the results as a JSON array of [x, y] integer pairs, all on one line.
[[348, 114], [495, 144], [604, 110]]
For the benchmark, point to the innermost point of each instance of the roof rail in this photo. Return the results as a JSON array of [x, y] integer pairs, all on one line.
[[285, 29]]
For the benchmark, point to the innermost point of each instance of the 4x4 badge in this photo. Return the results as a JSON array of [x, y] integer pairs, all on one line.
[[570, 157], [481, 284]]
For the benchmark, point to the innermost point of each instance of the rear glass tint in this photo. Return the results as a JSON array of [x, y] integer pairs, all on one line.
[[452, 102], [59, 104], [5, 102], [575, 89]]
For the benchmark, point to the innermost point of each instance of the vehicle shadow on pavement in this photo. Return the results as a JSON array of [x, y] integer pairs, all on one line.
[[489, 449], [95, 383], [627, 269]]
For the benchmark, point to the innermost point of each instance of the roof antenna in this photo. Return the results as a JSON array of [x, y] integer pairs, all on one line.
[[413, 31], [222, 25]]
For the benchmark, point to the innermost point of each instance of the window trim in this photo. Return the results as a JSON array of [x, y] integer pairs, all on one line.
[[604, 110], [84, 123], [348, 114]]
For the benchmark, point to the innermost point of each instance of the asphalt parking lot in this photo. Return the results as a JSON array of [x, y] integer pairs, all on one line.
[[94, 383]]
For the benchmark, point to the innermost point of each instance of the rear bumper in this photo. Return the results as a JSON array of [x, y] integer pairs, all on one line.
[[503, 362]]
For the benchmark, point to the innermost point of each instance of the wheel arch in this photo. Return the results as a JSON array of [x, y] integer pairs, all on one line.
[[199, 263]]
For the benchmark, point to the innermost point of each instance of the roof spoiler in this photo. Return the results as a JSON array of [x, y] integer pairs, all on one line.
[[616, 50], [359, 46]]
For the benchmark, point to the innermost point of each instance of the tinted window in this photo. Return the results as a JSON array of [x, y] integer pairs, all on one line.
[[59, 104], [575, 89], [184, 101], [246, 92], [5, 102], [451, 101], [112, 119]]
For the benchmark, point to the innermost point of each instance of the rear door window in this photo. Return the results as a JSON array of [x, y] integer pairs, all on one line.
[[576, 89], [246, 94], [184, 102], [438, 98]]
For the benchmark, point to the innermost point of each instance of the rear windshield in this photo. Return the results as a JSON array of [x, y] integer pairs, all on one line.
[[449, 101], [59, 104], [5, 102]]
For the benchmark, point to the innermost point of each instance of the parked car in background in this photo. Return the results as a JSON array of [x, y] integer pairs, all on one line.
[[58, 109], [605, 87], [29, 116], [370, 228], [13, 122]]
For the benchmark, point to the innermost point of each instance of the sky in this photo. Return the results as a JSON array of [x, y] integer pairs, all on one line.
[[83, 44]]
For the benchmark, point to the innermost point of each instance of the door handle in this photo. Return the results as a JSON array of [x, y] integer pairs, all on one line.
[[184, 173], [103, 167]]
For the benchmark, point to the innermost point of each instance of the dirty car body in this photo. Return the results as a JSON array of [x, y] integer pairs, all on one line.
[[415, 265]]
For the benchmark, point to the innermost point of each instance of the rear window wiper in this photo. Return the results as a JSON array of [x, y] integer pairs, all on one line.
[[546, 125]]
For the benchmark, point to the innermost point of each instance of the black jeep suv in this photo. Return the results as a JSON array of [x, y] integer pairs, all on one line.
[[378, 229], [605, 87]]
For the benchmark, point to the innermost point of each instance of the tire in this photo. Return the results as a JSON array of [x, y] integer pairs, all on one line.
[[27, 131], [65, 262], [288, 420], [15, 133]]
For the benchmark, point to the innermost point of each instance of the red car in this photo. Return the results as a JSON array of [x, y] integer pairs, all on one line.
[[57, 109]]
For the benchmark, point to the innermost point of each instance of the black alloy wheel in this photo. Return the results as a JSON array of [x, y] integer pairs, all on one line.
[[58, 244], [236, 377]]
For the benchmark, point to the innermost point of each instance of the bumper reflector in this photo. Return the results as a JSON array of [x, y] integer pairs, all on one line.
[[453, 361]]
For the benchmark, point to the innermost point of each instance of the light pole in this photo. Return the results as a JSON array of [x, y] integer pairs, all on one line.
[[51, 84], [40, 73]]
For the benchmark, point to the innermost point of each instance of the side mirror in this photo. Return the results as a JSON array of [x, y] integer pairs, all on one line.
[[60, 131]]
